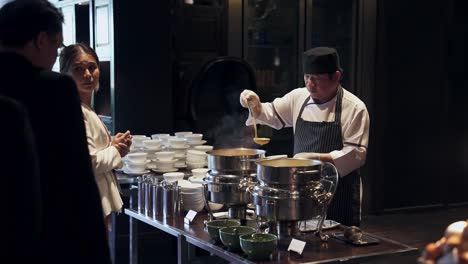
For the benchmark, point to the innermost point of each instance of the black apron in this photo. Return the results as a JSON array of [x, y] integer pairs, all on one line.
[[324, 137]]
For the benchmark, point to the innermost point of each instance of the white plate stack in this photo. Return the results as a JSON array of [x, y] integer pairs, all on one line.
[[196, 159], [192, 196]]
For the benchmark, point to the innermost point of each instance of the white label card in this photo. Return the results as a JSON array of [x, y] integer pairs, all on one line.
[[297, 246], [191, 215]]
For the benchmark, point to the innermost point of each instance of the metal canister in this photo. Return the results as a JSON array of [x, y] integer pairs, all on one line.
[[141, 195], [170, 199], [157, 200], [148, 187]]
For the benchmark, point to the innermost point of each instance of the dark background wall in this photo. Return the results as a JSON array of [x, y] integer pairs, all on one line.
[[419, 150]]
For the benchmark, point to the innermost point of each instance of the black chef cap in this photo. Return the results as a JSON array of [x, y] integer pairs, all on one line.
[[320, 60]]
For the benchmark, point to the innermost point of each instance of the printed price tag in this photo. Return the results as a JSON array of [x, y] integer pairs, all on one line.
[[297, 246], [188, 219], [191, 215]]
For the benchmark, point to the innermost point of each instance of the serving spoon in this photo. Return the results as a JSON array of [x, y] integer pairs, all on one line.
[[256, 139]]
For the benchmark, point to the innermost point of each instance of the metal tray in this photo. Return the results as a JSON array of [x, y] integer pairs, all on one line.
[[364, 241]]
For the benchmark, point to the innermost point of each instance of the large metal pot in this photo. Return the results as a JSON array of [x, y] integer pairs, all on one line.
[[228, 189], [292, 190], [290, 173], [282, 205], [237, 161]]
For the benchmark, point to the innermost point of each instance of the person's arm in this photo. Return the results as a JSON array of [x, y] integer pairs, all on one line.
[[103, 159], [355, 140], [277, 114]]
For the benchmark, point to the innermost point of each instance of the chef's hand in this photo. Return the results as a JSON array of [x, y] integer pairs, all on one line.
[[249, 98], [308, 155]]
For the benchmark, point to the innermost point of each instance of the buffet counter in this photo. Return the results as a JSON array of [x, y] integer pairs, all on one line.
[[194, 235]]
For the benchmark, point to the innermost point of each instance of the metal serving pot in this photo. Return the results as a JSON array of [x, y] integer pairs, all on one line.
[[282, 205], [238, 161], [228, 189], [290, 172]]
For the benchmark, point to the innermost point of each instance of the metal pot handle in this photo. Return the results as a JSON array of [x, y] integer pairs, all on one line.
[[206, 198], [329, 175]]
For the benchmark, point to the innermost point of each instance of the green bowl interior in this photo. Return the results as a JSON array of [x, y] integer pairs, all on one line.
[[222, 223], [241, 230], [258, 238]]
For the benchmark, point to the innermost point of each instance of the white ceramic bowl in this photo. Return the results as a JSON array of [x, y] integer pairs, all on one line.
[[182, 134], [204, 148], [165, 155], [173, 176], [200, 172], [215, 206], [195, 165], [137, 157], [165, 164], [160, 136], [196, 154], [152, 144], [137, 140], [194, 137], [177, 142], [136, 167]]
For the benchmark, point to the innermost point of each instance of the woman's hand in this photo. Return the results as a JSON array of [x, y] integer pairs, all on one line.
[[122, 142]]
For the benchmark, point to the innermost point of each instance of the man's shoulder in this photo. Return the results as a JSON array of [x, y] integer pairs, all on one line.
[[56, 82], [299, 93], [352, 100], [9, 104], [51, 76]]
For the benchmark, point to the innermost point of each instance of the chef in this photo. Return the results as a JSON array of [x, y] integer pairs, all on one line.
[[330, 124]]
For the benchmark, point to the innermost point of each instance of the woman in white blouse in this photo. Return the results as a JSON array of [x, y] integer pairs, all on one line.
[[330, 124], [82, 64]]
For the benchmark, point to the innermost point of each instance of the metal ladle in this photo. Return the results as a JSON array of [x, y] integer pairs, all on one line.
[[256, 139]]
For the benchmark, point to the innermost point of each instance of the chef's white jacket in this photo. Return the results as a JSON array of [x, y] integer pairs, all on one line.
[[283, 112]]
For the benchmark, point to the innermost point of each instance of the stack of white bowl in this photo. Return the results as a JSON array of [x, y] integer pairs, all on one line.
[[196, 159], [165, 161], [137, 142], [163, 137], [135, 163], [179, 146], [151, 147], [204, 148], [192, 196], [173, 176], [194, 140], [182, 134], [198, 175]]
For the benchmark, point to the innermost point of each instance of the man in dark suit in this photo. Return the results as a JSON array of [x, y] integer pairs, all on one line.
[[21, 177], [72, 229]]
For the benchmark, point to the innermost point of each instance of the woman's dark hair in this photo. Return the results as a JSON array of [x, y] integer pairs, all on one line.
[[69, 53], [22, 21]]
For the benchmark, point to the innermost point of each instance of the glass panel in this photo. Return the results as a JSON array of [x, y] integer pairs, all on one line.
[[332, 24], [102, 25], [271, 48]]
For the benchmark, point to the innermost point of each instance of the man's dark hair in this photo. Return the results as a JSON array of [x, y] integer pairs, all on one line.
[[69, 53], [23, 20]]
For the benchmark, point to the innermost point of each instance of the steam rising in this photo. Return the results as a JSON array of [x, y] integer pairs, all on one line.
[[231, 132]]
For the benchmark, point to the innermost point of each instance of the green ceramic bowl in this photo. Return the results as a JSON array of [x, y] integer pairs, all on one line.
[[213, 226], [258, 246], [230, 236]]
